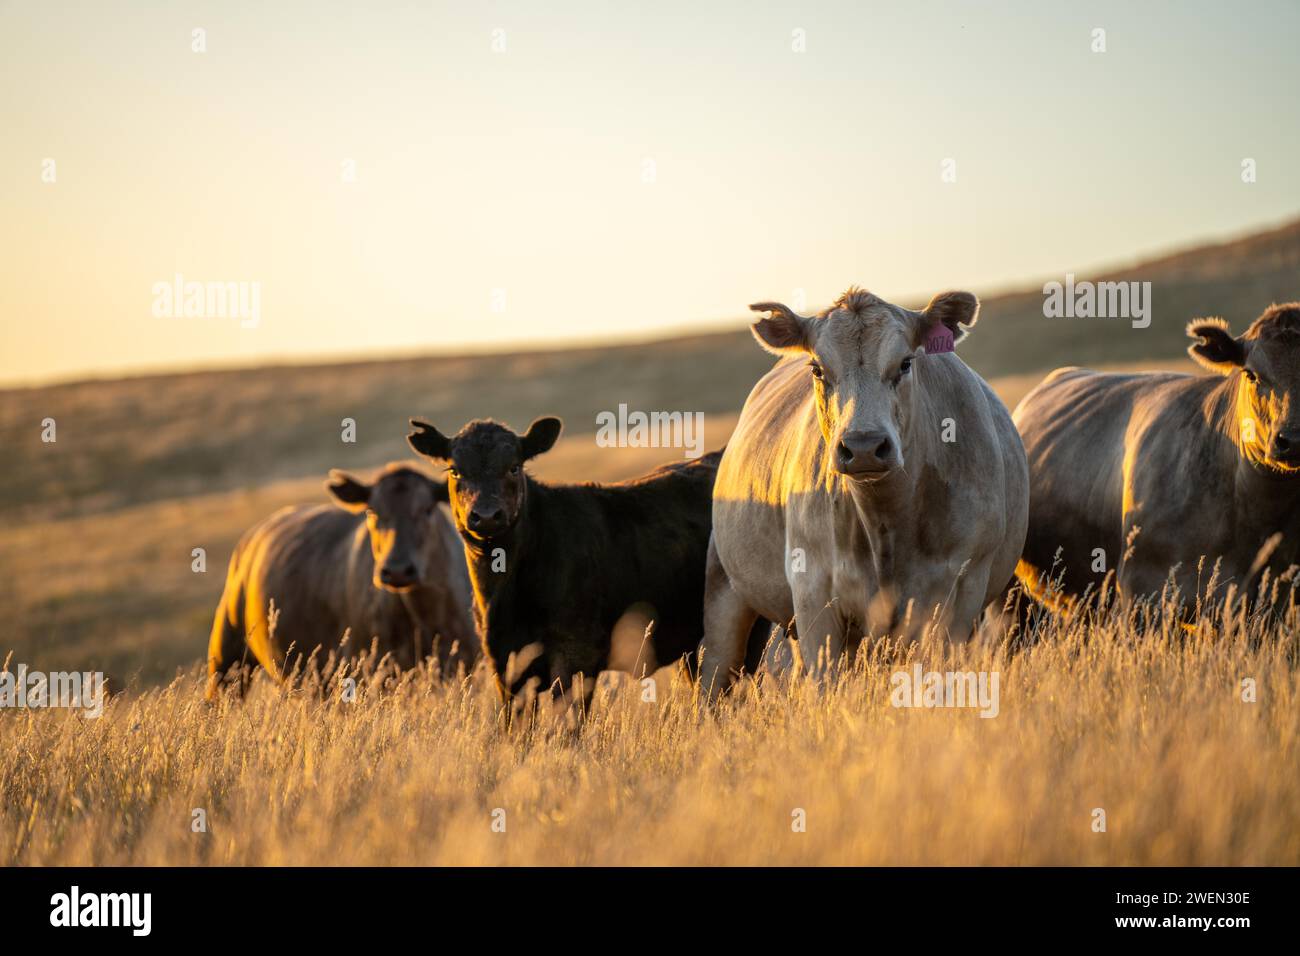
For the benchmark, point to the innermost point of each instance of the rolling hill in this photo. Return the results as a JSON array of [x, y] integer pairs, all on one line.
[[134, 440]]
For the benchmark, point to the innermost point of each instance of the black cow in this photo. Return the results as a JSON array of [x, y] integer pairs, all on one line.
[[554, 567]]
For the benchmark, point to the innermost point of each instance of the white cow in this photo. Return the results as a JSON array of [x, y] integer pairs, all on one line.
[[874, 484]]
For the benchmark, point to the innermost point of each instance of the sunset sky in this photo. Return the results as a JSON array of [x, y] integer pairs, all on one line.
[[617, 170]]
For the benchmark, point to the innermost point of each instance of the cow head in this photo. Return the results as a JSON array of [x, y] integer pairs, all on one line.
[[1266, 362], [401, 510], [485, 474], [861, 353]]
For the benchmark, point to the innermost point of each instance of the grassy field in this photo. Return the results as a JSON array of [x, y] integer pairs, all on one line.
[[1147, 727]]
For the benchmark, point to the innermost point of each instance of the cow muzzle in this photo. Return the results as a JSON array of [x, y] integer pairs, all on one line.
[[1285, 449], [398, 575], [867, 455], [487, 522]]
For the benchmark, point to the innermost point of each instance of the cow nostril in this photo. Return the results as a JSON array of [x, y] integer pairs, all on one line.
[[1282, 443], [883, 449], [397, 575], [845, 453], [479, 520]]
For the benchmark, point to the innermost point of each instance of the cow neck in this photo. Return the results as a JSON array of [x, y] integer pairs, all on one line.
[[880, 510], [424, 603], [886, 509]]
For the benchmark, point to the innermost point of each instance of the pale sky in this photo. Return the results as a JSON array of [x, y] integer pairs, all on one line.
[[501, 197]]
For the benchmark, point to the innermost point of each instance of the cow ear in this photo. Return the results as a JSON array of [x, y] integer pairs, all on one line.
[[348, 492], [782, 332], [428, 441], [945, 321], [542, 435], [1215, 349]]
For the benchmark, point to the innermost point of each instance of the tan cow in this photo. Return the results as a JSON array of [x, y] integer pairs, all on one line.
[[1147, 473], [871, 486], [385, 562]]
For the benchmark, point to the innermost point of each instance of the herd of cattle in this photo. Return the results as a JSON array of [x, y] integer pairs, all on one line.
[[874, 485]]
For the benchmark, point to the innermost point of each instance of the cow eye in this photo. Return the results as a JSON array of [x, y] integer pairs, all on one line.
[[1250, 376], [816, 371], [514, 469], [453, 473], [904, 367]]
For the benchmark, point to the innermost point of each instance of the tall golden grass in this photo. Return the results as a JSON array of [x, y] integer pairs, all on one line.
[[1145, 721]]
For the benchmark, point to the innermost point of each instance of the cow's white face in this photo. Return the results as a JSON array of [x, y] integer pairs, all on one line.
[[861, 364], [861, 354]]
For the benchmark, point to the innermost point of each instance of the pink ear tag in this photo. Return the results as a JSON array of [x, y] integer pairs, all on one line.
[[939, 339]]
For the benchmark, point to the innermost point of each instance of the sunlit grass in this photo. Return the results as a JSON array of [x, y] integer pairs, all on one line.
[[1149, 726]]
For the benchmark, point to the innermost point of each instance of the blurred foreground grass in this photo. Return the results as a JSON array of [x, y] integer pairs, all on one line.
[[1150, 727]]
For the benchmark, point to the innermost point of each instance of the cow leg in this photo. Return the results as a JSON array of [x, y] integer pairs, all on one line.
[[760, 636], [568, 657], [780, 654], [1143, 585], [822, 631], [727, 623], [968, 604], [1012, 616], [226, 647]]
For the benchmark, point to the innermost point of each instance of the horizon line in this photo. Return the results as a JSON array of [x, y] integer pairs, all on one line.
[[683, 330]]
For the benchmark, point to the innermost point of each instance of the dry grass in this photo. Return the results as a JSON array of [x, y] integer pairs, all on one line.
[[1150, 726]]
